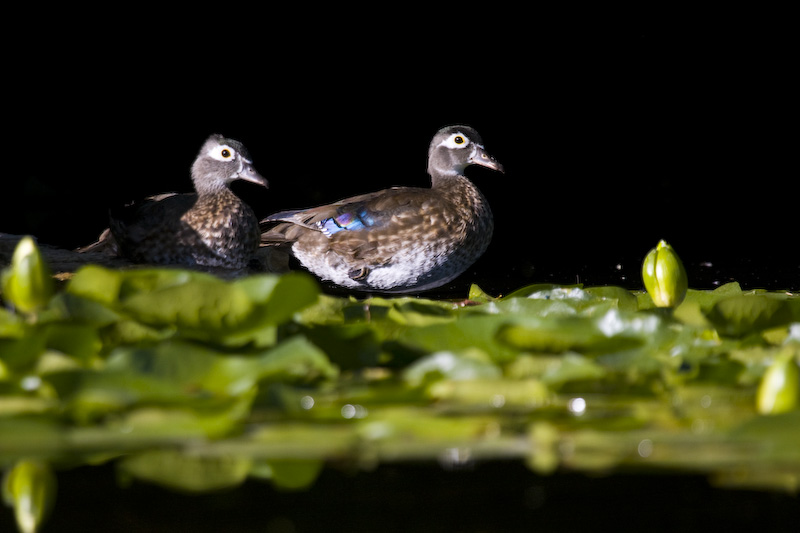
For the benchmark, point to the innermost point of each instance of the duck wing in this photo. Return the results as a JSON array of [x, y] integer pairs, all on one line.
[[369, 228], [140, 222]]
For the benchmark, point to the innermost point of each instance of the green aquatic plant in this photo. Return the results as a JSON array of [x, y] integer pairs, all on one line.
[[27, 284], [664, 276], [196, 383], [779, 388], [29, 487]]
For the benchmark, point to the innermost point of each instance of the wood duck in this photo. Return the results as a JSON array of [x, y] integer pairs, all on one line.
[[401, 239], [211, 228]]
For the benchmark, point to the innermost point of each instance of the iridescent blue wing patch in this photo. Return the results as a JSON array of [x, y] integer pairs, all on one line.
[[348, 220]]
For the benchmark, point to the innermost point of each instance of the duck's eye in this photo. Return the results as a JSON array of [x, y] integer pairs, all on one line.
[[222, 153], [456, 140]]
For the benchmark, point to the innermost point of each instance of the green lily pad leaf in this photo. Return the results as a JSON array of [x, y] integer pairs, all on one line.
[[488, 392], [473, 331], [527, 291], [208, 418], [289, 294], [325, 310], [625, 299], [192, 304], [192, 367], [401, 426], [52, 361], [11, 325], [387, 316], [612, 331], [566, 301], [290, 474], [67, 306], [450, 366], [96, 283], [690, 313], [283, 295], [16, 404], [740, 315], [535, 307], [89, 396], [295, 360], [20, 354], [189, 473], [418, 312], [707, 299], [187, 366], [202, 305], [572, 367], [27, 436], [776, 436], [147, 280], [79, 341], [127, 331], [349, 346]]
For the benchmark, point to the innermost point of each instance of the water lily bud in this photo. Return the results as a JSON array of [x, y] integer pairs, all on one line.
[[664, 276], [27, 283], [780, 386], [30, 488]]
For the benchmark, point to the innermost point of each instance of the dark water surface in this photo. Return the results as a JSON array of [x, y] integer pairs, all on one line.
[[496, 496]]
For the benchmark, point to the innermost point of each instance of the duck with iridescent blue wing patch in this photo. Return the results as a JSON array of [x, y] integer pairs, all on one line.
[[399, 240]]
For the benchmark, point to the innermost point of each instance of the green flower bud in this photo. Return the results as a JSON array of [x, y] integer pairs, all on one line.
[[780, 386], [30, 488], [27, 284], [664, 276]]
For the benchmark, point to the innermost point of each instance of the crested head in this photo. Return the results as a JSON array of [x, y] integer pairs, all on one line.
[[454, 148], [221, 161]]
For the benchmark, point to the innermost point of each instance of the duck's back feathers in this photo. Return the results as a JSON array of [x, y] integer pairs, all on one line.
[[389, 240], [400, 239]]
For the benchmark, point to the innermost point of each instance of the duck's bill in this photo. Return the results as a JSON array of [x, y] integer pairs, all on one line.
[[480, 157], [248, 173]]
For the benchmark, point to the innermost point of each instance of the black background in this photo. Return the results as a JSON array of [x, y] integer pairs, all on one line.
[[614, 134]]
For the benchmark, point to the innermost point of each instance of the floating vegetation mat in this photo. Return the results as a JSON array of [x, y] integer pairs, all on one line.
[[196, 383]]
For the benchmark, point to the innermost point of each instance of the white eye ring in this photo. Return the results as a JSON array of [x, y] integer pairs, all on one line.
[[456, 140], [222, 153]]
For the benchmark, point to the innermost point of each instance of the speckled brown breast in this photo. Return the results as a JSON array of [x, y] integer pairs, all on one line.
[[216, 230]]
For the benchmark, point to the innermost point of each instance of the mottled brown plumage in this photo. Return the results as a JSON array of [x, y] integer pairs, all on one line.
[[401, 239], [210, 228]]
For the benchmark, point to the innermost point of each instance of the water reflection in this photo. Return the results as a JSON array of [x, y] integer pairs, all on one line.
[[31, 383], [645, 448], [353, 411], [577, 406], [498, 400], [307, 402], [456, 459]]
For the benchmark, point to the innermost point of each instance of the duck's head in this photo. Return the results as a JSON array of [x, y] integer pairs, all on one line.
[[222, 161], [454, 148]]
